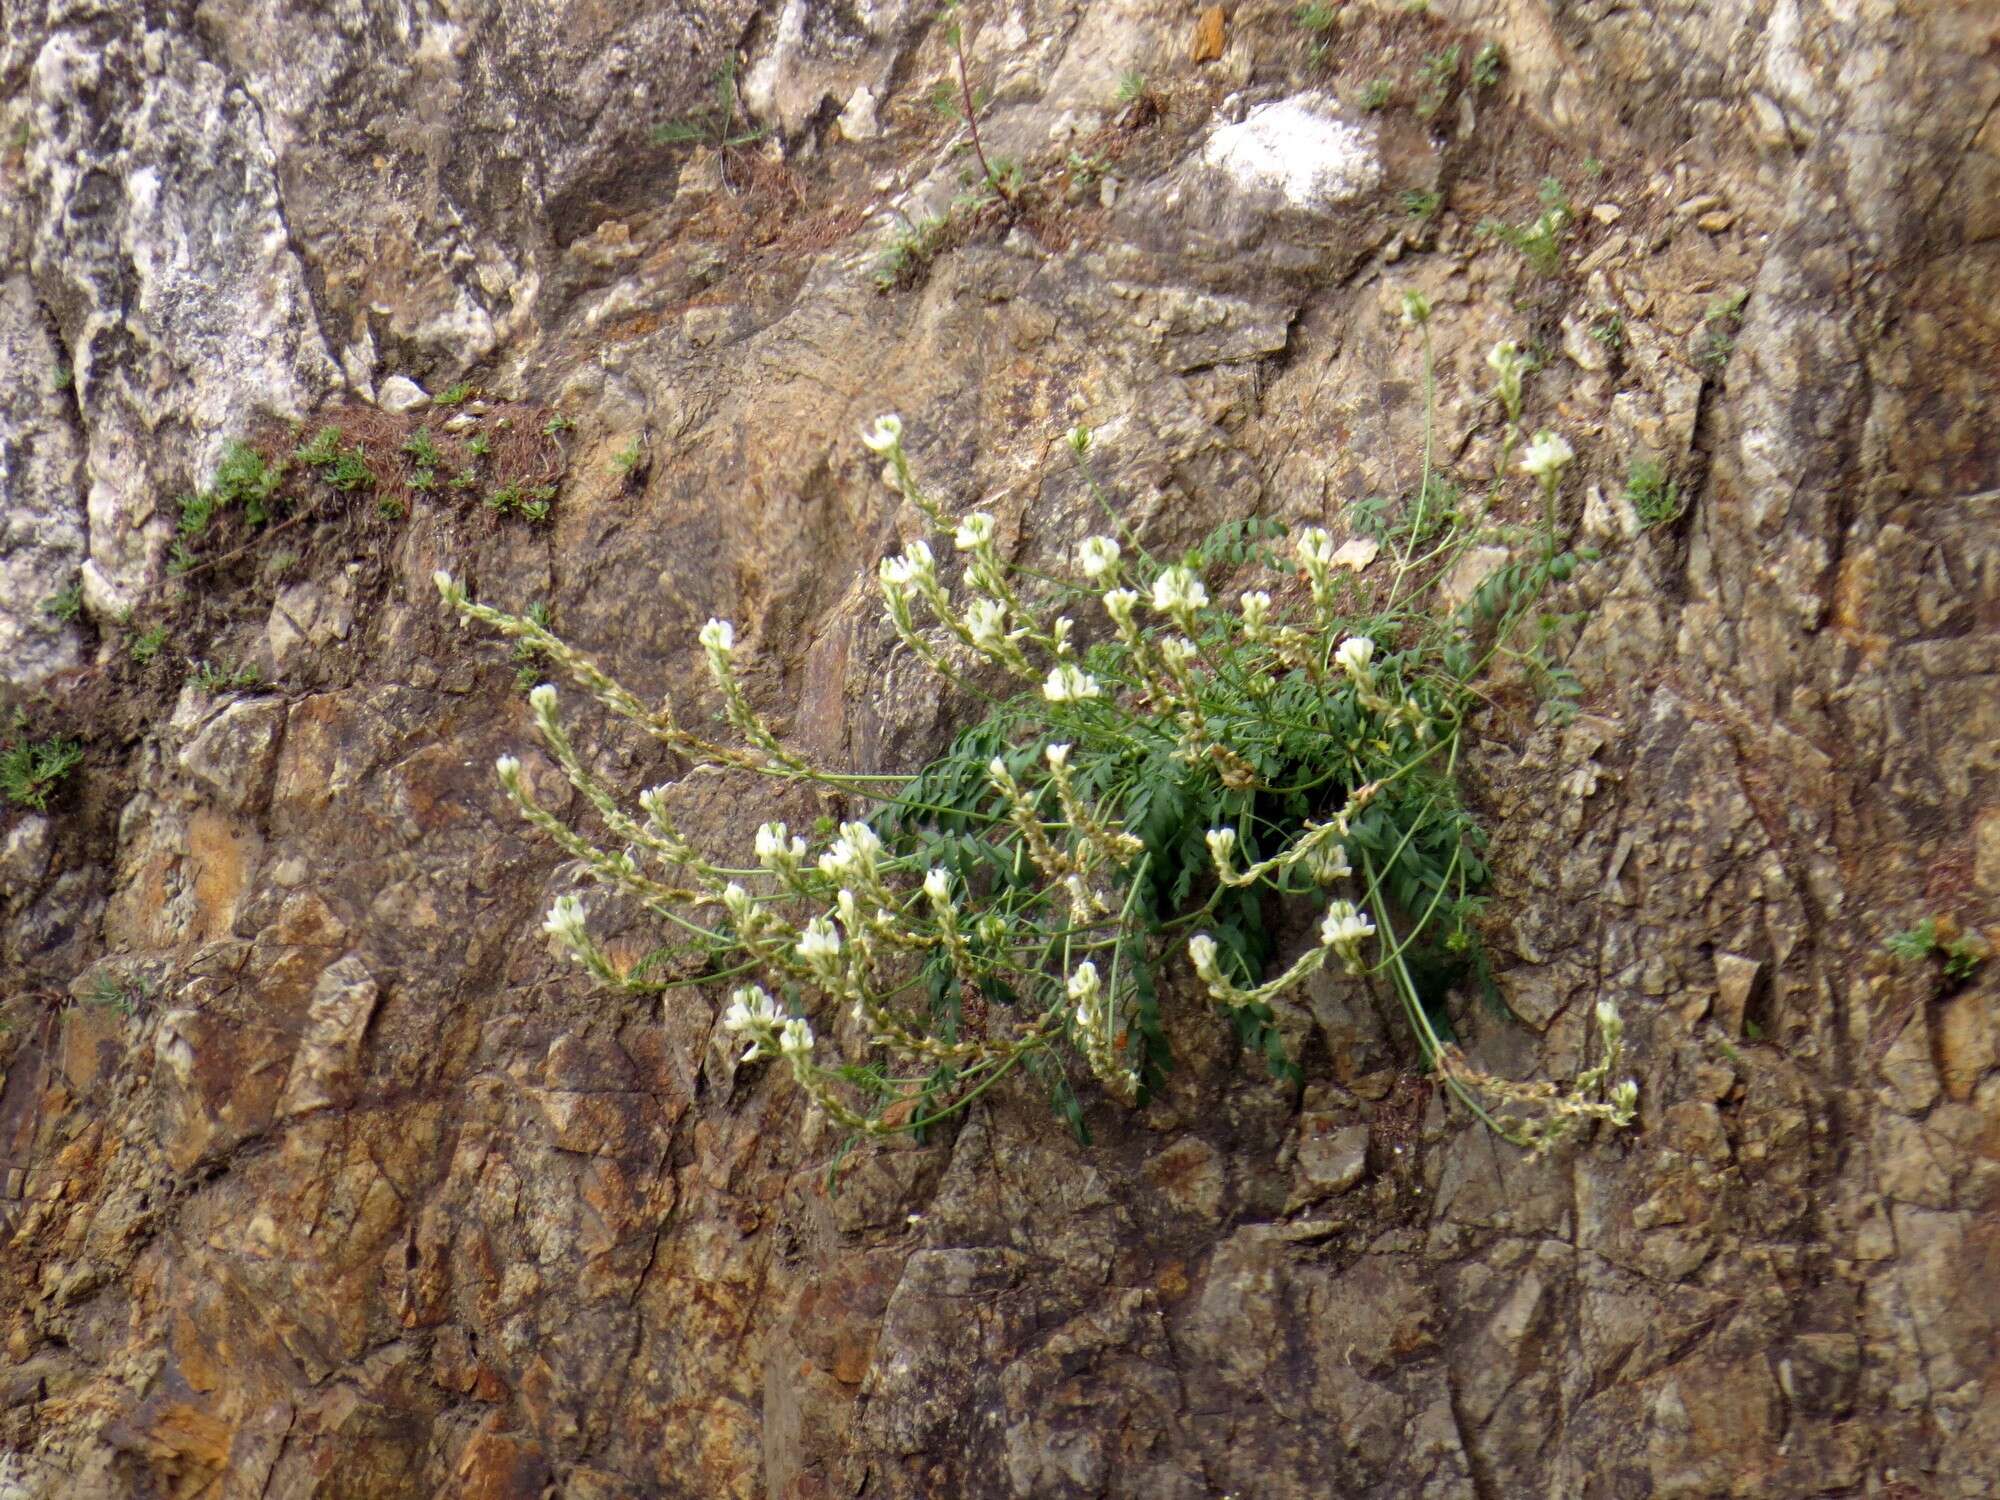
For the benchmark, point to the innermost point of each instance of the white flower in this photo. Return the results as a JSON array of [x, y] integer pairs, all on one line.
[[1119, 603], [1609, 1023], [885, 435], [1329, 863], [1069, 684], [852, 854], [1416, 308], [1314, 547], [1221, 846], [750, 1009], [1178, 650], [718, 635], [1256, 613], [914, 565], [975, 531], [849, 909], [1546, 456], [1509, 365], [795, 1038], [738, 903], [1201, 950], [996, 769], [1354, 655], [1084, 983], [565, 921], [1097, 556], [773, 849], [937, 886], [1058, 757], [819, 944], [443, 581], [508, 769], [1178, 590], [1344, 929], [1079, 895], [543, 700], [986, 621]]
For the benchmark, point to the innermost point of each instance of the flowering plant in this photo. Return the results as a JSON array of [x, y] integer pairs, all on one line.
[[1164, 763]]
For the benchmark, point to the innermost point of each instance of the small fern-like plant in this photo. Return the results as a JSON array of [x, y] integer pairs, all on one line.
[[1154, 768], [31, 770]]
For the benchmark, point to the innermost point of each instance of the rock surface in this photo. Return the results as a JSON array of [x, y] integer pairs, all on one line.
[[369, 1196]]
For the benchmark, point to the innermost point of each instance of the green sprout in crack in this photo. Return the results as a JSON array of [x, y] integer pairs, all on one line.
[[716, 126], [344, 469], [211, 678], [1962, 952], [1654, 497], [1439, 74], [629, 460], [31, 770], [147, 645], [1540, 242], [422, 449], [1718, 331], [911, 249], [120, 992], [65, 604]]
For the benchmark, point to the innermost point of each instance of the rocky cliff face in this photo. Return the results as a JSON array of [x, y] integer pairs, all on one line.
[[353, 1190]]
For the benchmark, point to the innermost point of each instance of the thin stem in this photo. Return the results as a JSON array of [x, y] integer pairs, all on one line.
[[971, 109]]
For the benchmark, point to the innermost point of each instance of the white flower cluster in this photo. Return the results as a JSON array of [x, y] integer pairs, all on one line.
[[1508, 364], [1097, 558], [912, 568], [754, 1016], [1546, 456], [1097, 1029], [819, 950], [1068, 683], [777, 852], [886, 436], [1343, 930], [1178, 592], [853, 857], [1354, 656], [1256, 614], [565, 923]]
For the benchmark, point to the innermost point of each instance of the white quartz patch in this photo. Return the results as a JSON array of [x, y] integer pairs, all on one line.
[[1293, 146]]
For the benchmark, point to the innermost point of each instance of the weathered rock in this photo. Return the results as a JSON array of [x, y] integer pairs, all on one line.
[[41, 501], [401, 394], [377, 1199], [235, 752]]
